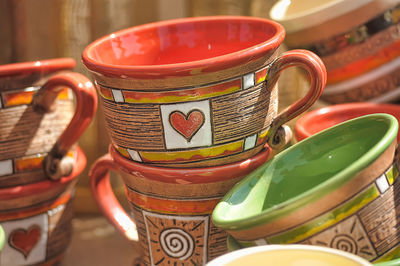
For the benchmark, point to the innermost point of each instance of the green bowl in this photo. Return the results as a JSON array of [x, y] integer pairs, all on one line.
[[313, 185]]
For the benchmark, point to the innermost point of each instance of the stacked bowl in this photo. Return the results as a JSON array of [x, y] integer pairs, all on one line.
[[359, 42]]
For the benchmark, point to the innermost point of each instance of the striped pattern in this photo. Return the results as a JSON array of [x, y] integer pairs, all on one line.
[[241, 110], [25, 96], [360, 218], [172, 206], [24, 164], [184, 94]]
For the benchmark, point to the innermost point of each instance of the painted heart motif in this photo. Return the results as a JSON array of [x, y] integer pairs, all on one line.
[[187, 125], [25, 240]]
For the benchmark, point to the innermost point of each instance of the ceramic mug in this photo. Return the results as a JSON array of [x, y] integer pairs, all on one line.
[[337, 188], [288, 255], [39, 124], [323, 118], [197, 92], [171, 207], [36, 219]]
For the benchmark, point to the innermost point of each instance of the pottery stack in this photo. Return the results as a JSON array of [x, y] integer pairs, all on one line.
[[39, 159], [358, 41], [190, 106]]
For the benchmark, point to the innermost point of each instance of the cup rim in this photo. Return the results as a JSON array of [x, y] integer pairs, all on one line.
[[285, 208], [181, 69], [301, 129], [230, 257], [191, 175], [45, 185], [40, 66]]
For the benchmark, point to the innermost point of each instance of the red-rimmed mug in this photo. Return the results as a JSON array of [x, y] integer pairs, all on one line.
[[36, 219], [39, 124], [197, 92], [171, 207]]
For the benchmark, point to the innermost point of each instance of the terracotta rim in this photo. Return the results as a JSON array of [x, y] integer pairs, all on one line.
[[176, 69], [192, 175], [38, 187], [301, 129], [41, 66]]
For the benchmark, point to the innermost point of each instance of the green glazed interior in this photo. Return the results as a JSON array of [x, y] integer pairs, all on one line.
[[305, 172]]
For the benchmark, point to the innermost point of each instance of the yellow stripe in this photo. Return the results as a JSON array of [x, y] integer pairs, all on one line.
[[193, 154], [183, 98]]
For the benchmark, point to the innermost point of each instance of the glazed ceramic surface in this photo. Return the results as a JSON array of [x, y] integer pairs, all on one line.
[[289, 255], [323, 118], [2, 238], [36, 219], [336, 188], [197, 92], [171, 207], [39, 124]]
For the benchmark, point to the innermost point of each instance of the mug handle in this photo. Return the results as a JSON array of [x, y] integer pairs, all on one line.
[[106, 200], [317, 72], [86, 104]]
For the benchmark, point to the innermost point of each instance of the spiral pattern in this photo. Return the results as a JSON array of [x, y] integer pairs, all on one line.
[[345, 243], [177, 243]]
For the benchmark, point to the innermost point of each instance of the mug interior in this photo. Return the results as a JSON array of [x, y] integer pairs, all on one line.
[[181, 41], [301, 171]]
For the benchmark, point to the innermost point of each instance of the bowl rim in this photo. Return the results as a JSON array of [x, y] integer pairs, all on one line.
[[301, 129], [230, 257], [312, 195], [307, 18]]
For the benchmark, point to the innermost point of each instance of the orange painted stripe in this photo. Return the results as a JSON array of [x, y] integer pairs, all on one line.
[[261, 75], [172, 206], [106, 93], [192, 155], [368, 63], [186, 95], [29, 163], [18, 98], [26, 96], [20, 214], [64, 94]]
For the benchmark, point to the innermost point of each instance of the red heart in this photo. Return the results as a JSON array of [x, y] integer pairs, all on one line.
[[187, 125], [25, 240]]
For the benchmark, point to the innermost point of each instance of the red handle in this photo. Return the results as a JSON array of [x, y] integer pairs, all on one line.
[[317, 72], [86, 105], [106, 200]]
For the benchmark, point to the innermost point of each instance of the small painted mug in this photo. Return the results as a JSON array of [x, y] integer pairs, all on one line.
[[197, 92], [39, 124], [171, 207], [338, 188], [36, 219]]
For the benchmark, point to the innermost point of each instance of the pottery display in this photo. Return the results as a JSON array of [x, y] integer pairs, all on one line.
[[40, 124], [358, 43], [36, 219], [323, 118], [336, 188], [288, 255], [171, 207], [197, 92]]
